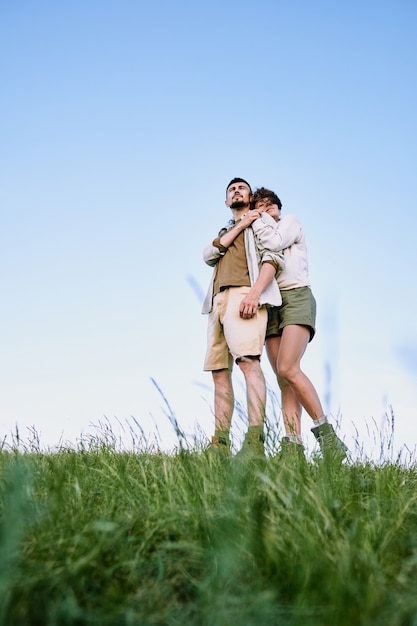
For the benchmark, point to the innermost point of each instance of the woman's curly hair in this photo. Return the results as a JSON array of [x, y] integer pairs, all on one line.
[[266, 194]]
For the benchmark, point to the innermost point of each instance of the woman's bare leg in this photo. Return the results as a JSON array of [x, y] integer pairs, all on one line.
[[285, 354]]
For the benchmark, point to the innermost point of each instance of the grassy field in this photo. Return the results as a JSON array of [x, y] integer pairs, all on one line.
[[98, 535]]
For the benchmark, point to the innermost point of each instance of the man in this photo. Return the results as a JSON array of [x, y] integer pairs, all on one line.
[[241, 287], [291, 327]]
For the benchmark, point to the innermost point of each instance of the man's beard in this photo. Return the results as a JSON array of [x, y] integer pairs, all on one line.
[[238, 204]]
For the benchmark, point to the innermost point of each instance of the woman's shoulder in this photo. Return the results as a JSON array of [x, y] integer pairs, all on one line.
[[289, 217]]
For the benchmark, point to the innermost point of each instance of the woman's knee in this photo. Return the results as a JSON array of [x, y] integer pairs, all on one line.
[[283, 383], [287, 374]]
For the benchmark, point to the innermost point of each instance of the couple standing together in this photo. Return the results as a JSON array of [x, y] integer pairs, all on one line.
[[260, 294]]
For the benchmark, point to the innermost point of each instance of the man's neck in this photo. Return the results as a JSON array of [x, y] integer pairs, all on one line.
[[237, 213]]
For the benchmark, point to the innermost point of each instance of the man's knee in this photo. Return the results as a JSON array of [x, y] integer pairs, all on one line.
[[247, 359], [250, 365]]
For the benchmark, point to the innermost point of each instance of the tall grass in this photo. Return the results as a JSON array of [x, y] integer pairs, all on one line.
[[99, 535]]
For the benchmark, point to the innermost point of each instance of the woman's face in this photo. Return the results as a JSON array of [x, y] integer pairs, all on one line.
[[265, 205]]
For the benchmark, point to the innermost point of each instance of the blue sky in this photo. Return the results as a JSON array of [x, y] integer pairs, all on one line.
[[121, 125]]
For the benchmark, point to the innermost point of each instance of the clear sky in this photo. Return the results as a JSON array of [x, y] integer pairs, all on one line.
[[121, 124]]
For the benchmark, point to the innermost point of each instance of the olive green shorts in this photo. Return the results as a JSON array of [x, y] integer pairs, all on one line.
[[298, 307]]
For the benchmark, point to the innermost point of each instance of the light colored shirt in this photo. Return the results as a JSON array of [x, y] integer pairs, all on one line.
[[287, 236]]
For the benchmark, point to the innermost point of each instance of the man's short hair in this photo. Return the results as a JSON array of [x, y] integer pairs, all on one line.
[[266, 194], [238, 180]]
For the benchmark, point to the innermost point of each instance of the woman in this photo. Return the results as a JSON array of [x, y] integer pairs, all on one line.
[[291, 327]]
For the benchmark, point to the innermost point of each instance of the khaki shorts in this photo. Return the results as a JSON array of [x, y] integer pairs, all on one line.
[[298, 307], [228, 335]]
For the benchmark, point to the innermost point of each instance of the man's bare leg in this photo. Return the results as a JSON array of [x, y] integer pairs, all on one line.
[[223, 399], [255, 390], [253, 444]]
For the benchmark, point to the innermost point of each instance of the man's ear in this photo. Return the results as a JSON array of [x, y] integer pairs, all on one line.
[[227, 203]]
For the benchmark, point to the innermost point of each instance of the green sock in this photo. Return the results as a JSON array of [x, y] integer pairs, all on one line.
[[222, 434], [321, 420], [295, 439]]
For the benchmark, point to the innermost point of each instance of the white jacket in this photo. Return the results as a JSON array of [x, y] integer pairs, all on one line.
[[287, 237], [257, 252]]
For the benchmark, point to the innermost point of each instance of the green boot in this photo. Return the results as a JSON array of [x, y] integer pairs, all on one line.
[[330, 444], [220, 443], [253, 444], [291, 449]]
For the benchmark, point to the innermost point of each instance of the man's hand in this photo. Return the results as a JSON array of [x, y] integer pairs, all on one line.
[[249, 305]]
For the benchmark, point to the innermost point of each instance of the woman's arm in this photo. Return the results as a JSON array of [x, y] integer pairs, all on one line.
[[277, 235]]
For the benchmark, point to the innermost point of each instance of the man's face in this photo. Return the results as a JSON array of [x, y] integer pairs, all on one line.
[[238, 196], [265, 205]]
